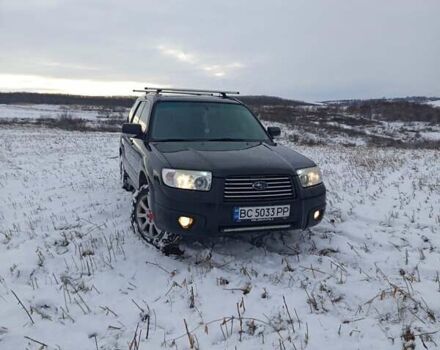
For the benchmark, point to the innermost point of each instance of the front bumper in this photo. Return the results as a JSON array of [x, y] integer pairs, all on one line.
[[213, 215]]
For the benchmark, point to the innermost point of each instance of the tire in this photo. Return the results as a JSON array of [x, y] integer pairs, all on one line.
[[142, 220], [124, 178]]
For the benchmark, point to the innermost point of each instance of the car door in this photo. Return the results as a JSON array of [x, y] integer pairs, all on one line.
[[138, 146], [124, 142], [129, 144]]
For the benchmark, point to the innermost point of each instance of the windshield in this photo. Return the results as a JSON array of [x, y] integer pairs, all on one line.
[[204, 121]]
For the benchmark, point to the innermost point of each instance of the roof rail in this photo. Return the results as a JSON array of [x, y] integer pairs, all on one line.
[[198, 92]]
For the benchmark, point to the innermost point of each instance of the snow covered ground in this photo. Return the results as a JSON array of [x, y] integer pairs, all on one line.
[[74, 276]]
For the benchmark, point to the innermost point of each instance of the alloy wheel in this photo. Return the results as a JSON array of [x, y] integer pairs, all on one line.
[[145, 218]]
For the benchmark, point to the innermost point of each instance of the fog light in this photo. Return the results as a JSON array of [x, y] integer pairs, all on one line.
[[317, 214], [185, 221]]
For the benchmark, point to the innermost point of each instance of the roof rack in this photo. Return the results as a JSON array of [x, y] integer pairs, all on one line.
[[198, 92]]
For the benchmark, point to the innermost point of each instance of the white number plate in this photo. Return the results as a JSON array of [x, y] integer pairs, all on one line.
[[261, 213]]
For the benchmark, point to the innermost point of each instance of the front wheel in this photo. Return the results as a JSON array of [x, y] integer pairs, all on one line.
[[142, 220]]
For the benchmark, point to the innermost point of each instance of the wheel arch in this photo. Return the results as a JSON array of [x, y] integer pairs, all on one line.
[[143, 179]]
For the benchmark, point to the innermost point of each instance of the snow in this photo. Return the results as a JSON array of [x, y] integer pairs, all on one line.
[[362, 277], [435, 103], [433, 136]]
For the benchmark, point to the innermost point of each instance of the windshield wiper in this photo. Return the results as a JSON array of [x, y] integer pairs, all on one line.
[[177, 140], [220, 139], [230, 139]]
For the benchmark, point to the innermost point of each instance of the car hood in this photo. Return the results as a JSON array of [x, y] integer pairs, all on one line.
[[232, 158]]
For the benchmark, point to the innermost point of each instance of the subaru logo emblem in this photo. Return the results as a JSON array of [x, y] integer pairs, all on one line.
[[259, 185]]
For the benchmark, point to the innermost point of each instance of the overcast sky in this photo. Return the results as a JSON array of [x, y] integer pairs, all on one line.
[[303, 49]]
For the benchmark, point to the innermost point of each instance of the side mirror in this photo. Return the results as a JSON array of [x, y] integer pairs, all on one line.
[[274, 131], [132, 130]]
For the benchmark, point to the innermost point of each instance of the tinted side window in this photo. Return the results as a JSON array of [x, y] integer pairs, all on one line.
[[132, 111], [137, 114], [145, 115]]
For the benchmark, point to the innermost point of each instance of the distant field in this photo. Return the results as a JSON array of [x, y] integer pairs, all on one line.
[[68, 117], [304, 124], [366, 278], [40, 111], [31, 111], [435, 103]]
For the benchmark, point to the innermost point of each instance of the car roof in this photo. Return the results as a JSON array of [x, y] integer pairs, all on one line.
[[190, 98]]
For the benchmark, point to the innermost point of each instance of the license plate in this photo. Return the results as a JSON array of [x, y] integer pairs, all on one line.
[[266, 213]]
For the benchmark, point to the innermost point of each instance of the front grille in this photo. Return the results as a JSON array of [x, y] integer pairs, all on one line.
[[268, 187]]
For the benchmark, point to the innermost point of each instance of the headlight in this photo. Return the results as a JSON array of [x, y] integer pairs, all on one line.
[[187, 179], [309, 176]]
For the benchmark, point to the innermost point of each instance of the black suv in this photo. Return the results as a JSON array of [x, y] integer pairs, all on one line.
[[202, 164]]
